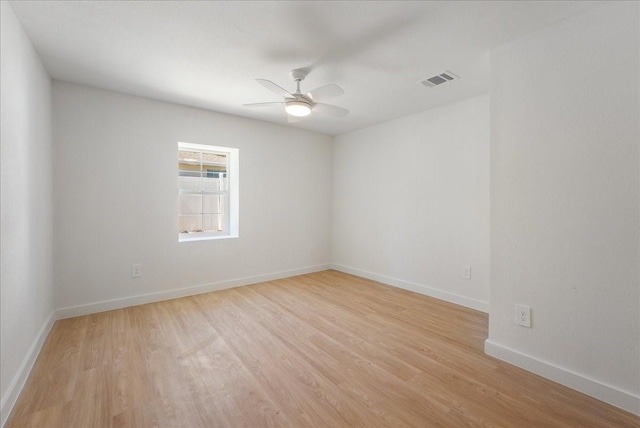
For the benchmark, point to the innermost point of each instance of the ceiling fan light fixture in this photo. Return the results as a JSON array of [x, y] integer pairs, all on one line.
[[298, 108]]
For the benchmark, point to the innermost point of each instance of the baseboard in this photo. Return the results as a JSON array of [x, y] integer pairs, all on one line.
[[616, 397], [92, 308], [418, 288], [15, 388]]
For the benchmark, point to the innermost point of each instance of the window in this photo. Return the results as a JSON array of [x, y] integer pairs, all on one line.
[[208, 178]]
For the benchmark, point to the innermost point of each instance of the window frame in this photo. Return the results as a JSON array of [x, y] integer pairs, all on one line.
[[233, 182]]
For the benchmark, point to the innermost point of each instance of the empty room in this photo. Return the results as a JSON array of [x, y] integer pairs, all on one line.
[[320, 214]]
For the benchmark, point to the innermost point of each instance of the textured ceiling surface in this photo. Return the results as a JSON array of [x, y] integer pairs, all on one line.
[[207, 54]]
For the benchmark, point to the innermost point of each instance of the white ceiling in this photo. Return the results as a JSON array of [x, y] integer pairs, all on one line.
[[207, 53]]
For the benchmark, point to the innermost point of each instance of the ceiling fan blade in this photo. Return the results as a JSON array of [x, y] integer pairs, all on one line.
[[274, 88], [294, 119], [276, 103], [325, 92], [329, 110]]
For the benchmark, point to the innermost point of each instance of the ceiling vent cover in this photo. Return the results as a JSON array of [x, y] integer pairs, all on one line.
[[439, 79]]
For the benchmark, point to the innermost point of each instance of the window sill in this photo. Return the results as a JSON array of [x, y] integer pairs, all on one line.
[[205, 238]]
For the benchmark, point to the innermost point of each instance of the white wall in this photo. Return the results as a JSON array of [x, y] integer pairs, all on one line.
[[411, 202], [565, 124], [26, 272], [115, 170]]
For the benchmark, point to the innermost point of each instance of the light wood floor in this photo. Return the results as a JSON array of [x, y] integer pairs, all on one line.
[[325, 349]]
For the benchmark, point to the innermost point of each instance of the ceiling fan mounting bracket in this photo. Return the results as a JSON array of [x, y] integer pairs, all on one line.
[[299, 74]]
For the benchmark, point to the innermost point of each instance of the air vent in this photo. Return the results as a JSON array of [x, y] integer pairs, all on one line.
[[439, 79]]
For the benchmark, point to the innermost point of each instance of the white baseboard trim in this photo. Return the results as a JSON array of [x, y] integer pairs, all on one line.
[[418, 288], [92, 308], [15, 388], [616, 397]]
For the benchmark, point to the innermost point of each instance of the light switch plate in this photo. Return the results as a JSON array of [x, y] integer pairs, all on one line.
[[466, 272], [136, 270], [523, 315]]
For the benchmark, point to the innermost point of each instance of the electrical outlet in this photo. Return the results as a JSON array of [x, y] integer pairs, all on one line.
[[523, 315], [466, 272], [136, 270]]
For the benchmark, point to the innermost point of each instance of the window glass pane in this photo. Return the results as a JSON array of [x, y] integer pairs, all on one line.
[[190, 204], [215, 184], [189, 160], [214, 159], [190, 184], [189, 172], [213, 204], [213, 222], [189, 224]]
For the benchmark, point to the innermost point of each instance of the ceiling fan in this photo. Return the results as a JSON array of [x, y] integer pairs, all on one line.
[[299, 105]]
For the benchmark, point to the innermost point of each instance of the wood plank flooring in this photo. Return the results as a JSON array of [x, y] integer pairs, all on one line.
[[319, 350]]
